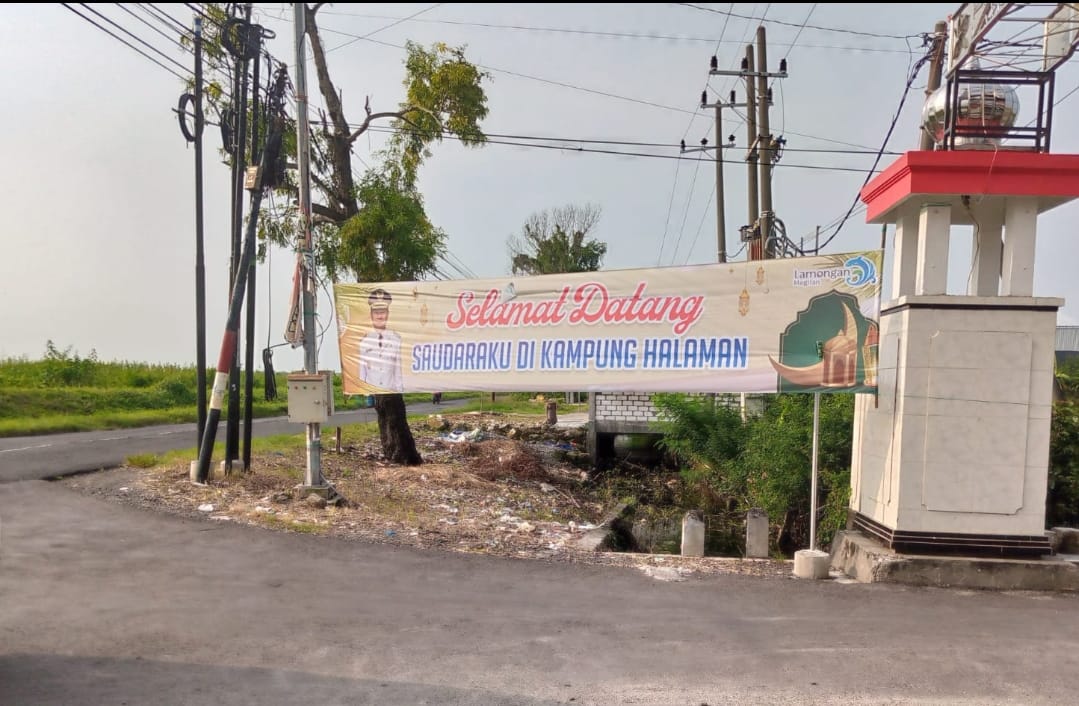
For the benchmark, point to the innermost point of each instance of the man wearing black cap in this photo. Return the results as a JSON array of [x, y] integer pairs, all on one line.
[[380, 349]]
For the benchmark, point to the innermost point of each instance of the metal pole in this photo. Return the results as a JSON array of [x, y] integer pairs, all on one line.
[[232, 435], [813, 481], [249, 352], [751, 159], [721, 217], [232, 325], [936, 66], [765, 146], [313, 477], [200, 251]]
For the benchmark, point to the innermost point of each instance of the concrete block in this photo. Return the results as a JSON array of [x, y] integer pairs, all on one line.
[[811, 564], [692, 535], [756, 534], [865, 560]]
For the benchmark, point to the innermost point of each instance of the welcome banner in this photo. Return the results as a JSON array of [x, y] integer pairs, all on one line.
[[787, 325]]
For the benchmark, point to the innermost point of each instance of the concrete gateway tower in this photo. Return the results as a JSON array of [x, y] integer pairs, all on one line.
[[952, 454]]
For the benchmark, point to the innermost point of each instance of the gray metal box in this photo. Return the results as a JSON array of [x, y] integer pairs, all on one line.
[[310, 398]]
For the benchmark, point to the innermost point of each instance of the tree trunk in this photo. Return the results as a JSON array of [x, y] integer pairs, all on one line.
[[785, 538], [398, 446]]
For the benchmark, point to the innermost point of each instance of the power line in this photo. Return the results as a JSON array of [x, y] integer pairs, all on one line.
[[799, 34], [708, 131], [869, 175], [124, 41], [137, 38], [383, 29], [621, 97], [588, 150], [670, 208], [685, 214], [782, 98], [866, 148], [700, 226], [554, 83], [584, 32], [678, 165], [165, 18], [164, 34], [807, 26]]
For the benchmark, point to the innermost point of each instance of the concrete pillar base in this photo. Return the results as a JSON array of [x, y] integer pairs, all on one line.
[[811, 564], [194, 472]]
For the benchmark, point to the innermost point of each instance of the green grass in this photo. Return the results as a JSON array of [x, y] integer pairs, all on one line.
[[142, 460], [69, 392]]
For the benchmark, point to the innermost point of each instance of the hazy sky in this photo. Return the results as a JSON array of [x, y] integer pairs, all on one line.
[[99, 188]]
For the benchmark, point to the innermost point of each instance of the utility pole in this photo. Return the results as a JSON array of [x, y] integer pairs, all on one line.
[[756, 105], [764, 147], [718, 105], [200, 253], [239, 161], [936, 67], [753, 238], [313, 477], [236, 299], [721, 224], [249, 350]]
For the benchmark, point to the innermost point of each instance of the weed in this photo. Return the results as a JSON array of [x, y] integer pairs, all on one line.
[[142, 460]]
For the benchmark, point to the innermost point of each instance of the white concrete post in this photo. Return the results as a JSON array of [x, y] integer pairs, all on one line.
[[906, 254], [985, 256], [934, 228], [692, 535], [756, 534], [1020, 225]]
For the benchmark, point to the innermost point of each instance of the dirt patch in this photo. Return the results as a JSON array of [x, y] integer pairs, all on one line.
[[491, 484]]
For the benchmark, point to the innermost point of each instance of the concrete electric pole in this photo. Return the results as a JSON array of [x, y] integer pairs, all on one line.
[[313, 477]]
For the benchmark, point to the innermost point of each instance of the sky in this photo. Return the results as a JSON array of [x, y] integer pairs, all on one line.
[[99, 191]]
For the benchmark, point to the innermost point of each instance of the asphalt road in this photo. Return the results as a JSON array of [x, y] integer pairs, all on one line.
[[52, 455], [104, 603]]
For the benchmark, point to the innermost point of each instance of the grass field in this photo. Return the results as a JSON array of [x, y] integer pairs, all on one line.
[[65, 391]]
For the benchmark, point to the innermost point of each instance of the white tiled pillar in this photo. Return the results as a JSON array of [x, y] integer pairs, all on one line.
[[934, 226], [1020, 225], [906, 254], [985, 274]]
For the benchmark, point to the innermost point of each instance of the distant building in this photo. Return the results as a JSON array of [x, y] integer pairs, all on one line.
[[1067, 348], [1067, 343]]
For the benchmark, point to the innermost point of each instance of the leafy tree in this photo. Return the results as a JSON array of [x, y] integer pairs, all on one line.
[[376, 229], [1062, 499], [556, 241], [777, 463], [1062, 502]]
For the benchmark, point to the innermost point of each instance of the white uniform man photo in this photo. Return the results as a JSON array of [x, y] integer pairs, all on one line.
[[380, 349]]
